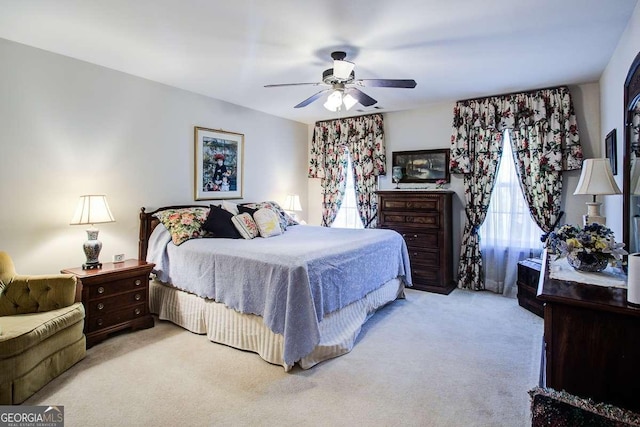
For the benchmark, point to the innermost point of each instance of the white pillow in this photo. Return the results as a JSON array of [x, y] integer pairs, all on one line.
[[230, 207], [268, 222]]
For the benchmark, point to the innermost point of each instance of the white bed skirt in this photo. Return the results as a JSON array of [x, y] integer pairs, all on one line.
[[338, 330]]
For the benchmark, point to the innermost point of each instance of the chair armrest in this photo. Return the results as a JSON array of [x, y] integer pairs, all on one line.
[[33, 294]]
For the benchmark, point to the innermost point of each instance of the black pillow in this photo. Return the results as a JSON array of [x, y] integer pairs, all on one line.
[[243, 209], [219, 224]]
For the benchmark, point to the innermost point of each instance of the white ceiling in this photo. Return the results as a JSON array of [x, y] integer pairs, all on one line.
[[229, 50]]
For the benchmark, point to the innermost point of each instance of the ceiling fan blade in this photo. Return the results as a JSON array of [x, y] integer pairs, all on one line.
[[360, 96], [409, 84], [312, 98], [296, 84]]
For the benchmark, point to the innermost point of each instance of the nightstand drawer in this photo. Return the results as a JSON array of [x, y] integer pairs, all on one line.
[[118, 286], [115, 317], [100, 306]]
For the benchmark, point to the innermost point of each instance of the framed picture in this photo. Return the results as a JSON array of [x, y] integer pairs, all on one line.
[[611, 149], [423, 166], [218, 169]]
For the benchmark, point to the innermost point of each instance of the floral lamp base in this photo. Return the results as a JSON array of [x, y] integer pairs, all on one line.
[[92, 248]]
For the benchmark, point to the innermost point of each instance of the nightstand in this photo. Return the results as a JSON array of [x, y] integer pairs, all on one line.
[[528, 277], [115, 297]]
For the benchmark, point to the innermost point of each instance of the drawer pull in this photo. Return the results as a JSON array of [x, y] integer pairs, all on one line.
[[99, 322], [138, 282], [137, 311], [415, 236], [100, 306], [101, 290], [137, 297]]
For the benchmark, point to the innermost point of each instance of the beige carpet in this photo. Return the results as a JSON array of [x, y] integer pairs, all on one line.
[[466, 359]]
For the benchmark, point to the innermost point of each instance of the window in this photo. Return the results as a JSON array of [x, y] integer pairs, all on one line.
[[508, 221], [348, 216], [508, 234]]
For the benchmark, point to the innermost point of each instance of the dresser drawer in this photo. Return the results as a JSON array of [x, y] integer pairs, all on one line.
[[420, 239], [115, 317], [425, 276], [424, 258], [118, 286], [100, 306], [402, 204], [411, 219]]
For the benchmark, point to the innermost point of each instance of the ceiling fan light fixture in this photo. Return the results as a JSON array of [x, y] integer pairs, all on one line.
[[342, 69], [334, 101], [349, 101]]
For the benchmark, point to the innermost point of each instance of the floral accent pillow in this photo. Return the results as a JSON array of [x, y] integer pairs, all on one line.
[[268, 222], [245, 225], [284, 218], [184, 224]]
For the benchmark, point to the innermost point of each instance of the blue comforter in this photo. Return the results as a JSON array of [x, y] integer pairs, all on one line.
[[292, 280]]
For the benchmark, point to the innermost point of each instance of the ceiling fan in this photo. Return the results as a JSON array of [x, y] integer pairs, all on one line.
[[342, 79]]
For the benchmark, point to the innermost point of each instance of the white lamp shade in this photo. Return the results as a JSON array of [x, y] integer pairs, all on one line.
[[349, 101], [292, 203], [92, 209], [334, 101], [342, 69], [596, 178]]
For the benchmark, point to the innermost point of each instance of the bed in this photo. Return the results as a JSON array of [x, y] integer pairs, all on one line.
[[297, 298]]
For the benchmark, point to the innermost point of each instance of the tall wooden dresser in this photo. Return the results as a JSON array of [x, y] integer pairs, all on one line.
[[423, 218]]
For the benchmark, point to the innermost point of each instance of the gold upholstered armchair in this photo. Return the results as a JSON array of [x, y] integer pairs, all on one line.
[[41, 330]]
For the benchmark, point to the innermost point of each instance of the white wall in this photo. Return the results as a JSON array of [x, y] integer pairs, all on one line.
[[612, 101], [69, 128], [430, 128]]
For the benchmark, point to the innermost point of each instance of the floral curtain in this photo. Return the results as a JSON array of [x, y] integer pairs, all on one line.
[[363, 136], [545, 142], [481, 142]]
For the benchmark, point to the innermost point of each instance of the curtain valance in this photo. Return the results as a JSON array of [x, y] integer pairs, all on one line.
[[362, 135], [549, 111]]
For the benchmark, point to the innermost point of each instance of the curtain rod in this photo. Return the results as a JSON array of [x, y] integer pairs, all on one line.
[[514, 93], [350, 117]]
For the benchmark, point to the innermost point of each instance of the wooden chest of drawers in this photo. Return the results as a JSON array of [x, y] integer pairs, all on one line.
[[115, 297], [424, 220]]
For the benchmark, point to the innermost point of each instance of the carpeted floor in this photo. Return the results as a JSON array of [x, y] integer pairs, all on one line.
[[467, 359]]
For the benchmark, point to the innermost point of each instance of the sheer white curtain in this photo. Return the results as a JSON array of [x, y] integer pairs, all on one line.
[[348, 216], [508, 234]]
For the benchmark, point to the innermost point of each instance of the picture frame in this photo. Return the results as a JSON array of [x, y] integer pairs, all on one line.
[[219, 159], [611, 150], [423, 166]]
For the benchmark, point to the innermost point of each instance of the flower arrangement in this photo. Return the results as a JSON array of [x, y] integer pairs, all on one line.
[[440, 183], [589, 248]]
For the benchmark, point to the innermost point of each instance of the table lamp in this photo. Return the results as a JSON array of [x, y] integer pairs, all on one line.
[[596, 179], [92, 209], [292, 205]]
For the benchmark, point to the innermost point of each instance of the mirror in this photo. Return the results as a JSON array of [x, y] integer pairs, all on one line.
[[631, 162]]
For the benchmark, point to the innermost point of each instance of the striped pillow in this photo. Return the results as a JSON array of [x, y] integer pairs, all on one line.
[[245, 225]]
